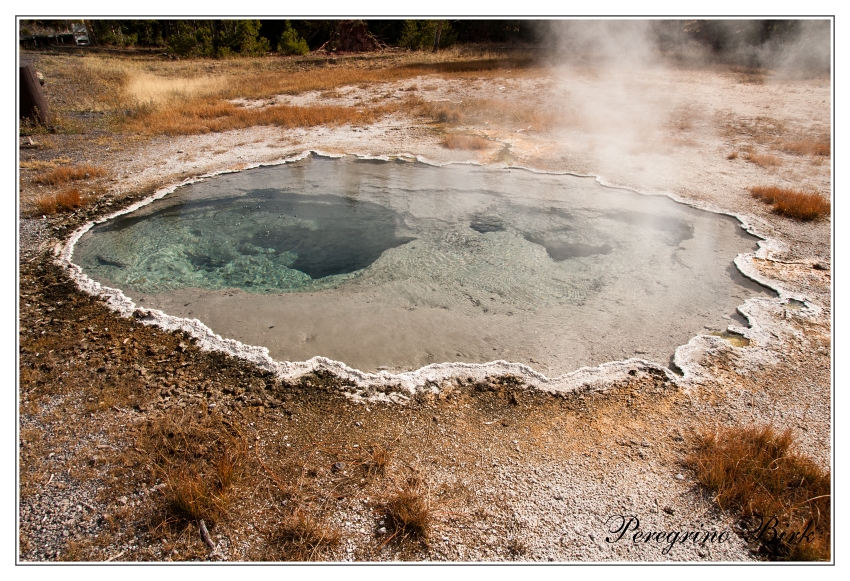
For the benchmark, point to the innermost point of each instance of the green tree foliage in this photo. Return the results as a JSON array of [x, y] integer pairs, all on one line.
[[291, 43], [243, 37], [218, 38], [419, 34]]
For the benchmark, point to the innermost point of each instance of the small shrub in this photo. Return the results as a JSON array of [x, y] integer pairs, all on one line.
[[793, 203], [454, 141], [733, 155], [754, 471]]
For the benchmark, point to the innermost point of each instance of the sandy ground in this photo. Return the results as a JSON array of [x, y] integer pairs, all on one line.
[[667, 130]]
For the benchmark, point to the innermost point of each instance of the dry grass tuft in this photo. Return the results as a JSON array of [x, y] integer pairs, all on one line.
[[302, 537], [755, 472], [455, 141], [64, 200], [378, 461], [764, 160], [64, 175], [732, 155], [199, 458], [820, 147], [793, 203], [409, 513]]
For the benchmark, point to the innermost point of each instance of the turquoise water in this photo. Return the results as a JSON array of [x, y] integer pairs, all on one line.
[[427, 264]]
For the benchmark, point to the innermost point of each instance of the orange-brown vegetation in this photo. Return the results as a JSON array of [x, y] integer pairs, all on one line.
[[211, 115], [64, 175], [303, 537], [409, 513], [199, 459], [64, 200], [819, 147], [201, 102], [756, 472], [763, 160], [793, 203]]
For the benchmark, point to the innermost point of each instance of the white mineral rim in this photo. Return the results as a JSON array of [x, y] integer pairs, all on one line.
[[399, 388]]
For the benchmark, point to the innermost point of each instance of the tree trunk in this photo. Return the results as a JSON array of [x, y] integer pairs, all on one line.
[[215, 34], [437, 36], [32, 100], [91, 33]]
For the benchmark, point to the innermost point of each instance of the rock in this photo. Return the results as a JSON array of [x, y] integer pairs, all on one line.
[[679, 477], [338, 466]]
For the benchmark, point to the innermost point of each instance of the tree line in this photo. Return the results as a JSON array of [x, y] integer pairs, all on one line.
[[221, 38]]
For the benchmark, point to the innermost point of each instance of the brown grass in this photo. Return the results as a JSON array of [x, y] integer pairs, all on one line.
[[64, 200], [732, 155], [211, 115], [378, 461], [763, 160], [455, 141], [793, 203], [199, 459], [302, 537], [409, 513], [64, 175], [38, 164], [811, 147], [755, 472], [194, 96]]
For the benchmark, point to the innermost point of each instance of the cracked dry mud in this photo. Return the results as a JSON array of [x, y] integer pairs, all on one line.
[[508, 472]]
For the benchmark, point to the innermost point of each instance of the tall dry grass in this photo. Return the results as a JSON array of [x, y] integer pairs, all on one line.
[[65, 200], [793, 203], [216, 115], [151, 96], [756, 472]]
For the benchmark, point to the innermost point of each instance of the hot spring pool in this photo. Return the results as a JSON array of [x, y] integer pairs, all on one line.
[[398, 265]]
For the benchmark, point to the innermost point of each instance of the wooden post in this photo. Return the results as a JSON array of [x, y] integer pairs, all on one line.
[[32, 100]]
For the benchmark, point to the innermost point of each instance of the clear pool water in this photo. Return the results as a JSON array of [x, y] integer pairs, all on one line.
[[400, 264]]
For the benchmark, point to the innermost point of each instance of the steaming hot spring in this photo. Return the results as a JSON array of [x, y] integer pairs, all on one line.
[[398, 264]]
